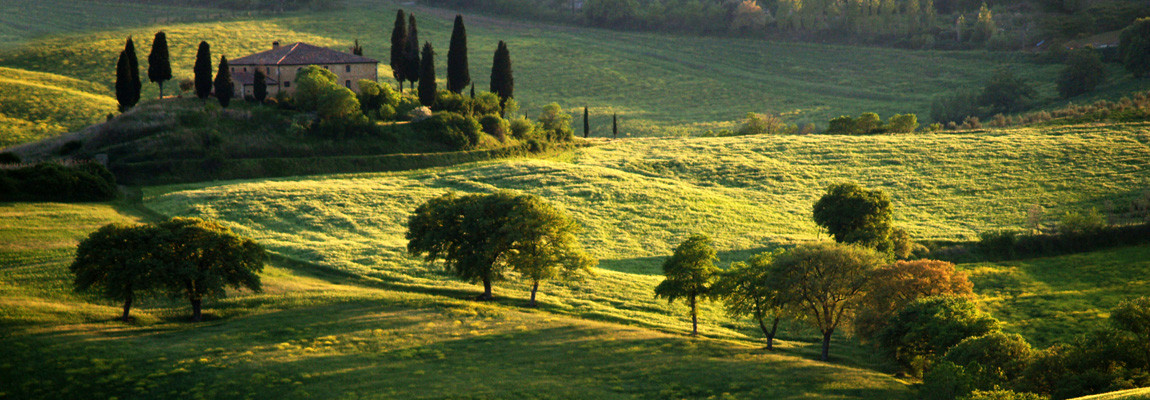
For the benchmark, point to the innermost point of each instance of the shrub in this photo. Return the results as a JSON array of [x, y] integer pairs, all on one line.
[[902, 123], [1002, 395], [485, 103], [9, 158], [54, 182], [945, 381], [523, 128], [495, 126], [1082, 223], [446, 100], [1007, 93], [456, 131], [954, 108], [757, 124], [374, 98], [555, 124], [1134, 47], [993, 360], [1084, 71], [927, 327]]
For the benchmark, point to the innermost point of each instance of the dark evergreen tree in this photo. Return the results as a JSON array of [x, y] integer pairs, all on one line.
[[502, 82], [411, 63], [223, 83], [458, 76], [159, 63], [586, 124], [123, 88], [1134, 47], [203, 71], [134, 70], [427, 86], [472, 90], [356, 49], [399, 47], [260, 86], [615, 126]]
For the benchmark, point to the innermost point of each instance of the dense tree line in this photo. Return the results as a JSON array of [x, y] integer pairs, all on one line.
[[83, 182]]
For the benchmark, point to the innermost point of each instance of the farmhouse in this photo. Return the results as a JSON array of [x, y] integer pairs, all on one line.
[[281, 63]]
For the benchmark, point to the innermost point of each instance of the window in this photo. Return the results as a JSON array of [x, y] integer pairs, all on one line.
[[346, 68], [347, 83], [287, 83]]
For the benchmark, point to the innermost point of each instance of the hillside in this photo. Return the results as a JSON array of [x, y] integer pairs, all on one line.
[[658, 84], [318, 335], [39, 105], [638, 198]]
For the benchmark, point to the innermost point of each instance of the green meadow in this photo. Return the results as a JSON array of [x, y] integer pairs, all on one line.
[[38, 105], [657, 84]]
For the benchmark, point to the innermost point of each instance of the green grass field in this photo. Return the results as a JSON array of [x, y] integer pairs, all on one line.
[[658, 84], [637, 199], [37, 105], [313, 334]]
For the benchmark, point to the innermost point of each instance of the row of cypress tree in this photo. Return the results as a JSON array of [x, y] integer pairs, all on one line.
[[128, 85], [409, 63]]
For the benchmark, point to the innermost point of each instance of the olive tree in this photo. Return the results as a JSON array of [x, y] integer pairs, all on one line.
[[826, 280], [689, 273]]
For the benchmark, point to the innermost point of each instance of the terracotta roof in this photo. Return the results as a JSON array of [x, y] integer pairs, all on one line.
[[249, 78], [300, 53]]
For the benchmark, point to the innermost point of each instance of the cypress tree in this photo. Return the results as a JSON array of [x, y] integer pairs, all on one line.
[[399, 47], [427, 85], [472, 90], [203, 71], [615, 125], [159, 63], [458, 76], [411, 63], [586, 124], [134, 71], [223, 83], [260, 86], [122, 86], [502, 81], [356, 49]]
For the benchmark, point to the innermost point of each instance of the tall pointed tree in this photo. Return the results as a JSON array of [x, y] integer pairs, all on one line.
[[134, 71], [159, 63], [615, 126], [473, 90], [399, 47], [356, 48], [427, 86], [260, 86], [586, 124], [224, 87], [458, 76], [502, 82], [203, 71], [411, 60], [122, 86]]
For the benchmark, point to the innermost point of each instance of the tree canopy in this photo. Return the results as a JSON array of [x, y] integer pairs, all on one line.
[[895, 286], [481, 237], [118, 260], [427, 85], [411, 51], [853, 214], [159, 62], [689, 274], [225, 89], [749, 288], [399, 47], [927, 327], [203, 70], [502, 79], [458, 75], [1134, 47]]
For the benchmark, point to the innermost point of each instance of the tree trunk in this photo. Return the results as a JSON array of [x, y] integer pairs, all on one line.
[[694, 318], [196, 315], [486, 296], [127, 308], [534, 288], [770, 334], [827, 345]]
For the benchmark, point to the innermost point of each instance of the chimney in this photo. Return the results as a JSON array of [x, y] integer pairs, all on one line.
[[275, 45]]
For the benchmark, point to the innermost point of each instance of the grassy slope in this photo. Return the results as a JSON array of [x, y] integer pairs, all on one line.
[[39, 105], [321, 336], [23, 20], [1132, 394], [637, 199], [658, 84]]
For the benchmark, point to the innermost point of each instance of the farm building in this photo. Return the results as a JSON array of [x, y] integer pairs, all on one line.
[[281, 63]]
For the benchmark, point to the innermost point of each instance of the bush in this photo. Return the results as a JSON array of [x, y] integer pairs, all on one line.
[[758, 124], [1075, 223], [1006, 93], [927, 327], [993, 360], [523, 128], [1002, 395], [446, 100], [457, 131], [485, 103], [954, 107], [555, 124], [9, 158], [1134, 47], [1084, 71], [495, 126], [54, 182], [377, 101], [902, 123]]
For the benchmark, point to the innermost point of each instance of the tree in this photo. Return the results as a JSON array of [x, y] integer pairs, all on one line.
[[502, 81], [555, 123], [992, 360], [927, 327], [204, 259], [123, 87], [399, 48], [260, 86], [586, 124], [689, 273], [748, 288], [1083, 72], [312, 82], [225, 89], [615, 125], [411, 58], [984, 28], [203, 71], [1134, 47], [544, 243], [159, 63], [357, 49], [458, 75], [853, 214], [1134, 316], [1006, 93], [427, 85], [825, 281], [895, 286], [482, 236], [134, 84], [117, 259]]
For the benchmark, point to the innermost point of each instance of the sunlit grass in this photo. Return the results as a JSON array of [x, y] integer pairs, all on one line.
[[38, 105]]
